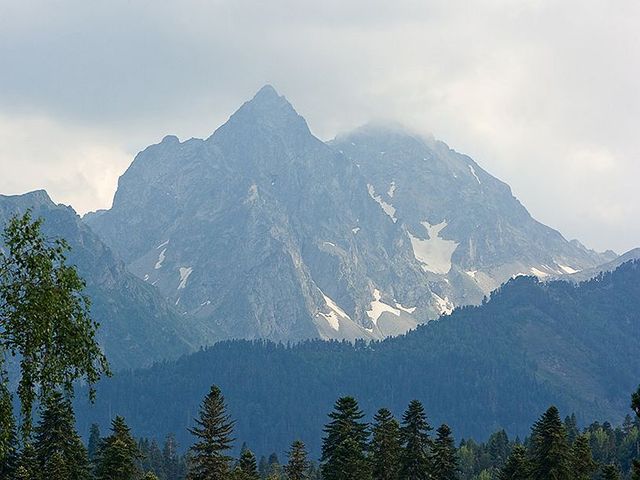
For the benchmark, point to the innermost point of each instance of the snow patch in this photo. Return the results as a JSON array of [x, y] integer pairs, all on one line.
[[539, 273], [252, 194], [184, 276], [378, 307], [392, 189], [435, 252], [329, 243], [336, 313], [162, 245], [471, 273], [473, 172], [161, 258], [386, 207], [405, 309], [146, 277], [208, 302], [567, 269], [355, 230], [445, 306]]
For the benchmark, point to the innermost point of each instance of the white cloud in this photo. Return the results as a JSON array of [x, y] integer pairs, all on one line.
[[542, 93]]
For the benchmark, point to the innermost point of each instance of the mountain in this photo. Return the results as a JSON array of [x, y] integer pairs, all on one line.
[[137, 327], [264, 231], [498, 365], [590, 273]]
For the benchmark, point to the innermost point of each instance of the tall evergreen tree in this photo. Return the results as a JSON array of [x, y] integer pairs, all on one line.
[[498, 448], [345, 443], [58, 448], [571, 427], [416, 443], [610, 472], [173, 463], [94, 442], [8, 435], [581, 460], [635, 470], [517, 466], [549, 448], [385, 448], [444, 461], [27, 463], [247, 467], [213, 431], [118, 454], [297, 468]]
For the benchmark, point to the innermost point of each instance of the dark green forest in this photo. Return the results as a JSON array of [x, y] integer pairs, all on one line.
[[496, 366]]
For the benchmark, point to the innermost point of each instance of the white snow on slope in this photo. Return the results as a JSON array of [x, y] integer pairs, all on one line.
[[386, 207], [405, 309], [162, 245], [434, 253], [539, 273], [378, 307], [567, 269], [355, 230], [445, 306], [473, 172], [161, 258], [336, 313], [471, 273], [392, 189], [184, 276]]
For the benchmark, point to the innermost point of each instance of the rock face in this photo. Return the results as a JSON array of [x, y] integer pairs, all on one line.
[[137, 326], [264, 231]]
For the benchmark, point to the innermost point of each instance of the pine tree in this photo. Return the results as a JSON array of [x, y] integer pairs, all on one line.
[[173, 464], [345, 443], [416, 443], [444, 461], [297, 468], [247, 467], [214, 429], [635, 470], [516, 467], [571, 427], [118, 454], [582, 464], [58, 449], [94, 442], [8, 434], [610, 472], [498, 448], [385, 448], [549, 448], [27, 463]]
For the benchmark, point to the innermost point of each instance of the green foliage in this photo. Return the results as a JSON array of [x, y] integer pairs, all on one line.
[[247, 467], [635, 472], [581, 460], [8, 437], [385, 448], [297, 468], [549, 448], [118, 454], [345, 443], [58, 449], [416, 443], [635, 402], [45, 316], [610, 472], [517, 466], [444, 462], [213, 433]]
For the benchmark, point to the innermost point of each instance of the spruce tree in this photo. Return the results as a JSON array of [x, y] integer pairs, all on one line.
[[173, 464], [582, 464], [610, 472], [444, 461], [297, 468], [247, 467], [213, 431], [549, 448], [118, 454], [94, 442], [635, 470], [8, 434], [27, 463], [345, 443], [416, 443], [517, 466], [385, 448], [58, 449]]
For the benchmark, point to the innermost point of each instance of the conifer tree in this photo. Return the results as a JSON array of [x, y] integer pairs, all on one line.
[[173, 464], [571, 427], [385, 448], [247, 467], [549, 448], [516, 467], [27, 463], [582, 464], [58, 449], [610, 472], [94, 442], [498, 447], [118, 454], [635, 470], [416, 443], [345, 443], [444, 462], [297, 468], [150, 476], [8, 435], [213, 431]]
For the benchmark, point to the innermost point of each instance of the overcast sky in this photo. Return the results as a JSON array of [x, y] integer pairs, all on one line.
[[543, 94]]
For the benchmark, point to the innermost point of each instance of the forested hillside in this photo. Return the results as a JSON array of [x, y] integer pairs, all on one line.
[[480, 369]]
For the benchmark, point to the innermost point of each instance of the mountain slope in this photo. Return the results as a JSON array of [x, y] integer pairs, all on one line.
[[498, 365], [137, 327], [264, 231]]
